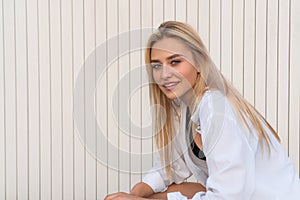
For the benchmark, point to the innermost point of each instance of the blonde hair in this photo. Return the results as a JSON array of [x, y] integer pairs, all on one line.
[[209, 78]]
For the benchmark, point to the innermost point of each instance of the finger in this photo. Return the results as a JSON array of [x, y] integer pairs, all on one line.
[[111, 196], [114, 195]]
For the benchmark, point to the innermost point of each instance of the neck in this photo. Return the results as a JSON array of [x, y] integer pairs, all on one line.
[[189, 98]]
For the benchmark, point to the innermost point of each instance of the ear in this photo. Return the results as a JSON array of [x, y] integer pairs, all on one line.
[[198, 69]]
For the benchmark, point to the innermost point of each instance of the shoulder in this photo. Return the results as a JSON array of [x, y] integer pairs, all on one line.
[[213, 103]]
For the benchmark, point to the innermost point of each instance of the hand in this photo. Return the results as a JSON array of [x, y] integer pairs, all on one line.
[[122, 196]]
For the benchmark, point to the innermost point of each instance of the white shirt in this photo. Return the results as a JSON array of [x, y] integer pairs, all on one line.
[[236, 166]]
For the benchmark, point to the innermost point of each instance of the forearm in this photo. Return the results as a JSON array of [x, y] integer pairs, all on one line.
[[188, 189], [142, 190]]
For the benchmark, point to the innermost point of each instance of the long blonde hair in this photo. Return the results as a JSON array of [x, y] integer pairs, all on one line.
[[210, 78]]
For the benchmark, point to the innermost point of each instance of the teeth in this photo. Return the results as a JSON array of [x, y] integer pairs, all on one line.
[[170, 84]]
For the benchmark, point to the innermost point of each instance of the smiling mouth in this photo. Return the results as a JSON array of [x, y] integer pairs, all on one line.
[[170, 86]]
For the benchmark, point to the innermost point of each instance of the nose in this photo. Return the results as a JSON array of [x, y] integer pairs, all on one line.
[[166, 72]]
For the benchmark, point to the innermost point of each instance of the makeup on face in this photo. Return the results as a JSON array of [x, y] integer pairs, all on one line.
[[172, 68]]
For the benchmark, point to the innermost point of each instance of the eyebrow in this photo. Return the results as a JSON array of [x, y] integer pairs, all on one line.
[[169, 58]]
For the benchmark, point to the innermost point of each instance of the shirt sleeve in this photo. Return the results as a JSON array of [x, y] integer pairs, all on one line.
[[157, 178], [230, 158]]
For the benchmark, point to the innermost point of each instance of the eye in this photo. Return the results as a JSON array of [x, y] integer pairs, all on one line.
[[175, 62], [156, 65]]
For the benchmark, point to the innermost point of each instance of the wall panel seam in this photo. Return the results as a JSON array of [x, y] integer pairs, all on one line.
[[16, 97], [39, 95], [61, 100], [84, 102], [96, 97], [254, 53], [289, 73], [4, 102], [73, 129], [266, 56], [277, 67], [50, 88], [27, 96]]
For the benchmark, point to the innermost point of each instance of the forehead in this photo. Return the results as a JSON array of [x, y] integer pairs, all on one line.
[[169, 46]]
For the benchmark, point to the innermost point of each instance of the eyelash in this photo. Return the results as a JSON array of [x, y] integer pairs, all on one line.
[[158, 66], [176, 62]]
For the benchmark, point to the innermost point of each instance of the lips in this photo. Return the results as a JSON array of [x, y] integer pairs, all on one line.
[[170, 85]]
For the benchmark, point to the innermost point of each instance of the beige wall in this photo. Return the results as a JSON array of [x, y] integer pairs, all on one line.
[[45, 154]]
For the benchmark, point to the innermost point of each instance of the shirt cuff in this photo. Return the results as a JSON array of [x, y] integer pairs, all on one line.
[[176, 196], [155, 181], [199, 195]]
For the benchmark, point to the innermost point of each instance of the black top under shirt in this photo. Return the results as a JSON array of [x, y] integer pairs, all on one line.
[[197, 152]]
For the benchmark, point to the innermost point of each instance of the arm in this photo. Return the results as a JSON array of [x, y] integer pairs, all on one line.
[[231, 164], [142, 190], [188, 189], [157, 178], [125, 196], [230, 158]]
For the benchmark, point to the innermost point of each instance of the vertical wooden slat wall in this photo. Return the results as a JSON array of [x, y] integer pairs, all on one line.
[[44, 46]]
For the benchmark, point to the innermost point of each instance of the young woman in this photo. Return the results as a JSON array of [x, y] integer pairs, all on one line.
[[204, 127]]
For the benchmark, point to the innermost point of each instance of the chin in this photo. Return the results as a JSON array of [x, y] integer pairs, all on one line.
[[171, 95]]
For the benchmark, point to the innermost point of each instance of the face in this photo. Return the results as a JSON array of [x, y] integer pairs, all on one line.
[[173, 68]]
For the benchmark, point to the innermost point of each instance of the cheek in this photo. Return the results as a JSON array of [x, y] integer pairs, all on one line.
[[156, 77], [193, 77], [190, 77]]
